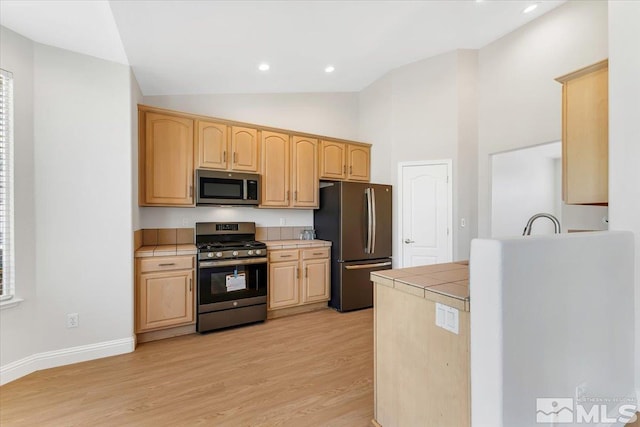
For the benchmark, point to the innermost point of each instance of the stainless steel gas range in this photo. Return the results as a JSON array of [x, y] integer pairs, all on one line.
[[232, 275]]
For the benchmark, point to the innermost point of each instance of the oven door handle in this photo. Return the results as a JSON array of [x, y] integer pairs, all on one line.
[[225, 263]]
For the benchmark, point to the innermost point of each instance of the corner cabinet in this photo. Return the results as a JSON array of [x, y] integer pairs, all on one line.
[[298, 277], [165, 160], [585, 135], [165, 295], [345, 161]]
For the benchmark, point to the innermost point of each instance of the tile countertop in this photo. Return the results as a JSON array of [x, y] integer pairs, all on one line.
[[166, 250], [433, 282], [294, 244]]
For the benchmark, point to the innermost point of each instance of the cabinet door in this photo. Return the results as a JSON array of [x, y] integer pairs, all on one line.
[[315, 283], [585, 139], [244, 149], [164, 299], [212, 145], [168, 160], [333, 156], [275, 169], [283, 284], [359, 160], [305, 178]]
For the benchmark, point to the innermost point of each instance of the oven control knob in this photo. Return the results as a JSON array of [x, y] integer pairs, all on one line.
[[250, 253], [234, 253], [218, 254], [258, 252], [210, 254]]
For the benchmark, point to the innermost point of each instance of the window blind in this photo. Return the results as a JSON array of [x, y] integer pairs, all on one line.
[[6, 185]]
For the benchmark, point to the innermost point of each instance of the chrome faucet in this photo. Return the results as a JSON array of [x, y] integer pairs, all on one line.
[[556, 223]]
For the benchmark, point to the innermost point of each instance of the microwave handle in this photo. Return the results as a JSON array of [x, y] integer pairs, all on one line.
[[245, 189]]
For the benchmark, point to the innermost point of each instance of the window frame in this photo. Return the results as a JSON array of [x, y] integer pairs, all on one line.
[[7, 247]]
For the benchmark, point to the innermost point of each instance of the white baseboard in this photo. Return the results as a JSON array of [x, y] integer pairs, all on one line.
[[66, 356]]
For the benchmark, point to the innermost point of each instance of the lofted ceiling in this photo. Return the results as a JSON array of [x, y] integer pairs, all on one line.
[[194, 47]]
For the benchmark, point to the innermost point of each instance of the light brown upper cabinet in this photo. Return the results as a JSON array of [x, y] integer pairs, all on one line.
[[275, 169], [289, 171], [304, 178], [165, 160], [343, 161], [333, 160], [225, 147], [358, 162], [585, 135], [213, 141], [245, 152]]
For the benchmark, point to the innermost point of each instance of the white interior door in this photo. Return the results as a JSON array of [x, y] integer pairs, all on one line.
[[426, 197]]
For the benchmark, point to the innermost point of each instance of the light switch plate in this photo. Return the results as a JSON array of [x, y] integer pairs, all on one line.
[[447, 318]]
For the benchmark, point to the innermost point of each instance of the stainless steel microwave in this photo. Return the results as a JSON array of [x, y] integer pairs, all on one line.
[[227, 188]]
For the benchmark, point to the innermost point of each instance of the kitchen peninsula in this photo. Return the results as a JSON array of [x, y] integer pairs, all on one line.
[[421, 345]]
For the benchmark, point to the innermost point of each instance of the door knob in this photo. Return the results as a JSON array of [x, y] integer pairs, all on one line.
[[408, 241]]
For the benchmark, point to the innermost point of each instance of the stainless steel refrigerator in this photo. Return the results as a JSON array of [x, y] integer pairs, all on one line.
[[356, 218]]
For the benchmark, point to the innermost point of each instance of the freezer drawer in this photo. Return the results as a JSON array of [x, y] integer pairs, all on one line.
[[356, 289]]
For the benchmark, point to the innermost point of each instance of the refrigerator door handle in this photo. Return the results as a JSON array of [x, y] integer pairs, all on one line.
[[373, 224], [367, 194], [363, 266]]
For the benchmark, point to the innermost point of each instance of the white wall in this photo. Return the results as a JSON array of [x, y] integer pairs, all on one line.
[[426, 111], [82, 131], [136, 98], [16, 323], [519, 100], [549, 313], [523, 184], [624, 135], [329, 114], [74, 208]]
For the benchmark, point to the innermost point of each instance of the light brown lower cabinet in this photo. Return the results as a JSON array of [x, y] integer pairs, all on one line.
[[298, 277], [165, 294]]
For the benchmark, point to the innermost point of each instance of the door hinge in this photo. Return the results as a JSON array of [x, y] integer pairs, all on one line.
[[447, 179], [447, 231]]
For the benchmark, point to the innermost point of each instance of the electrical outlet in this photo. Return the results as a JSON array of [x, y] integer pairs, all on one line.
[[283, 221], [73, 320], [185, 222]]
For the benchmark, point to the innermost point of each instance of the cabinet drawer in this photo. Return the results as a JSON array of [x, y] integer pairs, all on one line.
[[315, 253], [276, 256], [166, 263]]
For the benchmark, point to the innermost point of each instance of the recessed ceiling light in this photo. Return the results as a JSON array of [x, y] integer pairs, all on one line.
[[329, 69], [530, 8], [263, 67]]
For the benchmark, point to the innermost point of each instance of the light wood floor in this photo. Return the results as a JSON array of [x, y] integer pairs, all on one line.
[[312, 369]]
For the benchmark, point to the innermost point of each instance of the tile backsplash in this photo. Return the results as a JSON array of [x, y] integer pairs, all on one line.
[[167, 236], [183, 236], [279, 233]]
